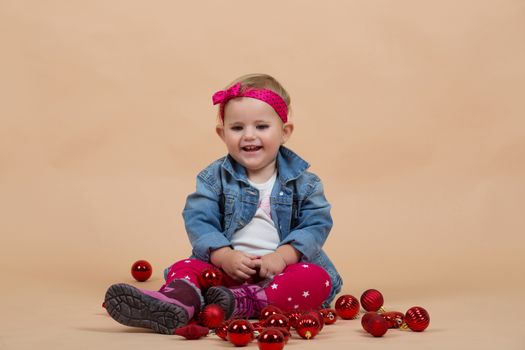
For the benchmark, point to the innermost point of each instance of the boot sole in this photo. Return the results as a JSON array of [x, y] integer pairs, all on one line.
[[128, 306], [222, 297]]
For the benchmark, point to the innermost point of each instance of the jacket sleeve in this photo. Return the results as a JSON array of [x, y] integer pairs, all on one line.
[[314, 224], [202, 219]]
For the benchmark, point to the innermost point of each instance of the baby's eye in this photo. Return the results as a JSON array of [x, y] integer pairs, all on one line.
[[262, 127], [236, 128]]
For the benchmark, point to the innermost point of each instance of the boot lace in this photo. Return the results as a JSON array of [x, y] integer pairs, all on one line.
[[247, 301]]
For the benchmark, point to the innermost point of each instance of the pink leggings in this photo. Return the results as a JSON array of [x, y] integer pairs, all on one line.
[[300, 286]]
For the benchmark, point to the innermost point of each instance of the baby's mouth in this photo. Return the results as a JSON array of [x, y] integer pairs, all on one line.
[[251, 148]]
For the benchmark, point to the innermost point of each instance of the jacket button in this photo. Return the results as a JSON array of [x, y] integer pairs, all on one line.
[[281, 193]]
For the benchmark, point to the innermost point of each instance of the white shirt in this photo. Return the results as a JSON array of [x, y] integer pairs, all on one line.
[[259, 237]]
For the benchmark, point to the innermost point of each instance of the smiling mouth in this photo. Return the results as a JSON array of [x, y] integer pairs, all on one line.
[[251, 148]]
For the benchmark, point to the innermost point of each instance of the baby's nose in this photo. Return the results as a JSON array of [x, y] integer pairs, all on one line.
[[249, 133]]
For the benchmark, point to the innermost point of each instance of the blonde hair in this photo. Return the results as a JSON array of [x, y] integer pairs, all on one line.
[[260, 81]]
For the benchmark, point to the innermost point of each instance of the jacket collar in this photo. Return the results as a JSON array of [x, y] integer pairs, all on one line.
[[289, 166]]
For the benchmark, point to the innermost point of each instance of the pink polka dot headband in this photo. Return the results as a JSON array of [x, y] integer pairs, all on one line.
[[268, 96]]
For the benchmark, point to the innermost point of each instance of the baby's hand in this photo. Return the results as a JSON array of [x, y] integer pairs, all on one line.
[[239, 265], [271, 264]]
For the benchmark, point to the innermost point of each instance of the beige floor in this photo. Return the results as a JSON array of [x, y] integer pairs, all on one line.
[[63, 316]]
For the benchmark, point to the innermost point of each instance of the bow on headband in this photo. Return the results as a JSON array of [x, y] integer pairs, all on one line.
[[265, 95], [224, 96]]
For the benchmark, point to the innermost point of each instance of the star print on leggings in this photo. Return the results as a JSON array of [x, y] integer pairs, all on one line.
[[300, 286]]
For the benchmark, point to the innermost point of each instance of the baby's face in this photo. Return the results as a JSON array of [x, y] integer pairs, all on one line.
[[253, 133]]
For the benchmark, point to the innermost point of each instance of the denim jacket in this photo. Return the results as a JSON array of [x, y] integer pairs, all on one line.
[[224, 202]]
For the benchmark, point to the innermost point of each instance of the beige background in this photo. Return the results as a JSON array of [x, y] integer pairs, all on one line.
[[412, 113]]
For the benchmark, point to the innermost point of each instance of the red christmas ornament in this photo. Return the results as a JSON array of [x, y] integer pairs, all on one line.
[[277, 320], [270, 339], [293, 317], [329, 315], [212, 316], [240, 332], [347, 306], [210, 277], [286, 333], [394, 318], [417, 319], [269, 310], [320, 319], [222, 330], [192, 331], [307, 326], [377, 325], [258, 326], [372, 300], [366, 317], [141, 270]]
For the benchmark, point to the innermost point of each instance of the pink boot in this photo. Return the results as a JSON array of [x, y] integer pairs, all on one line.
[[163, 311], [245, 301]]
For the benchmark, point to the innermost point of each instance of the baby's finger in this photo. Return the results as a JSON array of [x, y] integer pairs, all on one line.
[[247, 270], [263, 272], [256, 264], [247, 262], [241, 276], [252, 264], [250, 256]]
